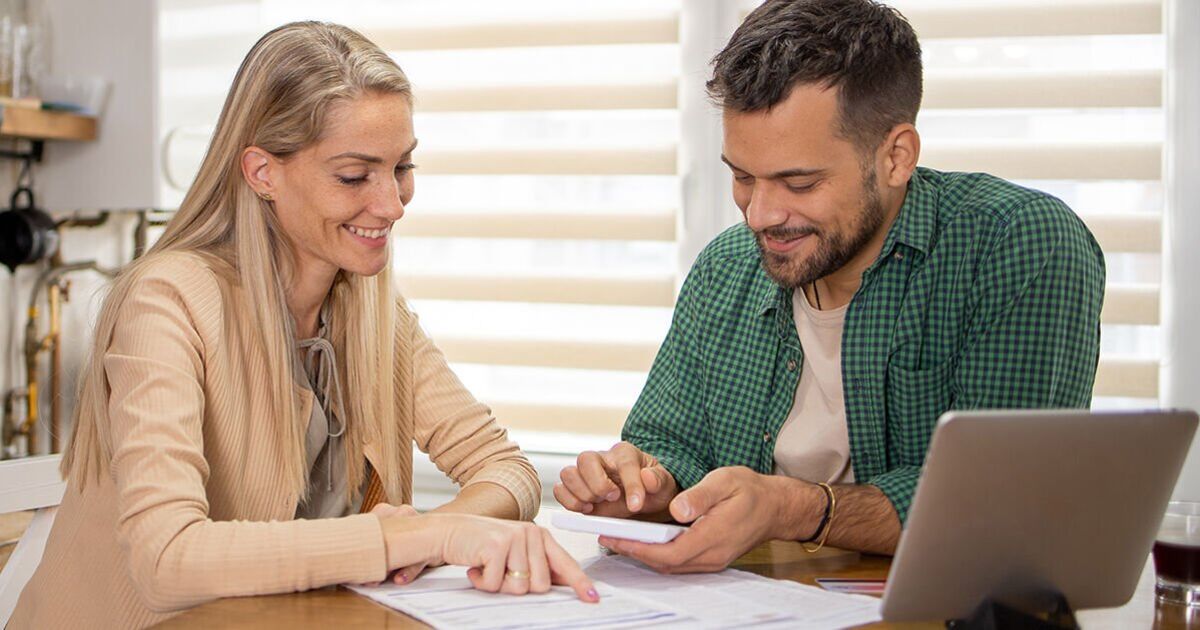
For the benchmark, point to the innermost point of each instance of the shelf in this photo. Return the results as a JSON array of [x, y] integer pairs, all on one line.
[[38, 124]]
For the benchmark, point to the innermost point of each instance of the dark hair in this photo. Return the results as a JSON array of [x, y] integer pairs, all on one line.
[[867, 50]]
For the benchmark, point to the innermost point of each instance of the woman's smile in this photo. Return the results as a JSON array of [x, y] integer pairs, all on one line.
[[371, 237]]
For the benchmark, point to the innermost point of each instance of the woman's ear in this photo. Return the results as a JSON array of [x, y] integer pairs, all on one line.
[[259, 168]]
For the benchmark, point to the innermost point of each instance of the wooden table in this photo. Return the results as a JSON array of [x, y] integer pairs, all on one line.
[[335, 607]]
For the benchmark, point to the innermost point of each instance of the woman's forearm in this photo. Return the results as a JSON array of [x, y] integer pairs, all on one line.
[[484, 499]]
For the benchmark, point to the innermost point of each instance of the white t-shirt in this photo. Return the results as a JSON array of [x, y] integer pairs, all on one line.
[[813, 444]]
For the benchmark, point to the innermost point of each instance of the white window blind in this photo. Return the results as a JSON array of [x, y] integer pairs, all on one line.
[[1065, 97], [543, 249], [540, 248]]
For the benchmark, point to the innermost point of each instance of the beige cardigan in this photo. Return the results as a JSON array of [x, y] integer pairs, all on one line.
[[195, 505]]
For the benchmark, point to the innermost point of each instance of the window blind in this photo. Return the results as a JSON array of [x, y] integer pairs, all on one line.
[[541, 250], [535, 104], [1101, 63]]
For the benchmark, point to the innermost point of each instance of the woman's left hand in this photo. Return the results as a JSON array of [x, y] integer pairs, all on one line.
[[411, 572]]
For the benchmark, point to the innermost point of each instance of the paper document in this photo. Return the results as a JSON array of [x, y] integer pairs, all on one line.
[[735, 599], [631, 596], [444, 598]]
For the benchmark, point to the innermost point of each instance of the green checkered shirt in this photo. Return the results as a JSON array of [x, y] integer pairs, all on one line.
[[985, 295]]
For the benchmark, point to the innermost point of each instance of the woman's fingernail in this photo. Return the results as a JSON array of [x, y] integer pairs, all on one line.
[[613, 496], [403, 578], [635, 501], [593, 594]]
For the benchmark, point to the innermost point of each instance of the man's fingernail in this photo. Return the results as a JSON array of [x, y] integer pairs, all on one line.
[[593, 594], [685, 510], [613, 496], [587, 507], [635, 501]]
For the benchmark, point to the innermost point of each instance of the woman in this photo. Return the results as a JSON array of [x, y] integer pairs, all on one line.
[[255, 387]]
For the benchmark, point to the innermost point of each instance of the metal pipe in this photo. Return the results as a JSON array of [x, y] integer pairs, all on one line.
[[9, 432], [77, 221], [35, 345], [54, 273], [56, 292], [141, 231], [139, 234]]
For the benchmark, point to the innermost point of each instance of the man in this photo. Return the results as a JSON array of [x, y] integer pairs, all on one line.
[[818, 342]]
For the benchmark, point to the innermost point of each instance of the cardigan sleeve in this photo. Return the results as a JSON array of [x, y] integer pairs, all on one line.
[[177, 555], [459, 433]]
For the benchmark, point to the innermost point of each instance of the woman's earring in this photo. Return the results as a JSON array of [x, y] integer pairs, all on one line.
[[266, 197]]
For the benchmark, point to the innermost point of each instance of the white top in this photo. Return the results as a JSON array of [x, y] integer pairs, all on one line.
[[813, 444]]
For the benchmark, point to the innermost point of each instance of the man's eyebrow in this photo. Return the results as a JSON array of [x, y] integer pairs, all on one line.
[[798, 172], [791, 172], [370, 159]]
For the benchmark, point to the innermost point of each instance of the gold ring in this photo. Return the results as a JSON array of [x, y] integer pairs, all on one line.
[[517, 575]]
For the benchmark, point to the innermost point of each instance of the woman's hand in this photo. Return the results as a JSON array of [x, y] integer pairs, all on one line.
[[406, 574], [504, 556]]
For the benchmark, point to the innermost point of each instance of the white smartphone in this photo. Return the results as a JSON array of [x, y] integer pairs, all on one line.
[[628, 529]]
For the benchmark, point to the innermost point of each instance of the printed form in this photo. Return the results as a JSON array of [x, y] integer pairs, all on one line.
[[631, 596]]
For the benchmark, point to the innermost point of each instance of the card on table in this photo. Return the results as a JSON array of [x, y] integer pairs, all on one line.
[[857, 586]]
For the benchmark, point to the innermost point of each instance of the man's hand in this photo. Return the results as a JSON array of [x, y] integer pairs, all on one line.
[[740, 509], [619, 482]]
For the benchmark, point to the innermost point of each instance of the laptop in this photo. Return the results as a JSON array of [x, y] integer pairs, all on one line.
[[1017, 506]]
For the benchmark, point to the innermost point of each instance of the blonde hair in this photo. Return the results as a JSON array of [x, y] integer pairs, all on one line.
[[278, 102]]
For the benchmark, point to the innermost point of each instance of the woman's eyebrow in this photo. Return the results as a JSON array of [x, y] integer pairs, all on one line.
[[371, 159], [365, 157]]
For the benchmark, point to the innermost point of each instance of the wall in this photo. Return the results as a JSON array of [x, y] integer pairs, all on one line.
[[1181, 347], [117, 41], [119, 170]]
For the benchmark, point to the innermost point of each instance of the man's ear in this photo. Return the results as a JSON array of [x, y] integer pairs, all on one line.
[[900, 153], [260, 169]]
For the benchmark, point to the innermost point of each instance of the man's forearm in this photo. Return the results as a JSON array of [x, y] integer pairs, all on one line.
[[864, 519]]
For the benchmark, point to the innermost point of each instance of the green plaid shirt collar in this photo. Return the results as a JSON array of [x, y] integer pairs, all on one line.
[[914, 227]]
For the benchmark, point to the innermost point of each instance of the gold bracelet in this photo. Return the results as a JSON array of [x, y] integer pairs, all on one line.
[[828, 522]]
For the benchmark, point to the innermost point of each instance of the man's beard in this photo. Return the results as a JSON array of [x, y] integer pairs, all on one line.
[[834, 250]]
